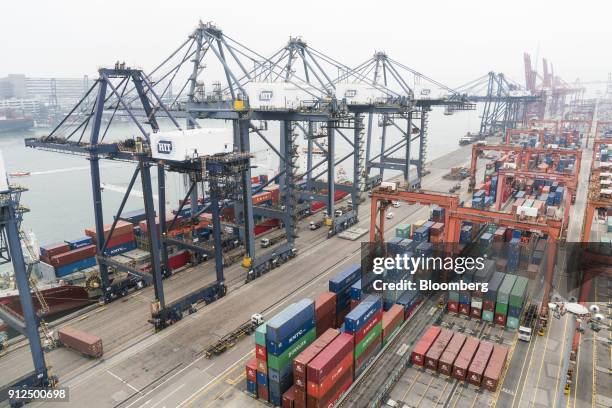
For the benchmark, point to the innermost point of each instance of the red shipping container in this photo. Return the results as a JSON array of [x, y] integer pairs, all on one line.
[[321, 387], [422, 347], [475, 312], [122, 227], [391, 319], [300, 398], [452, 306], [464, 309], [333, 395], [479, 363], [500, 319], [262, 366], [178, 259], [120, 240], [288, 400], [74, 255], [330, 357], [465, 357], [495, 368], [377, 318], [327, 322], [251, 370], [325, 304], [341, 315], [488, 305], [445, 365], [437, 348], [54, 249], [82, 342], [300, 363], [262, 392], [260, 352]]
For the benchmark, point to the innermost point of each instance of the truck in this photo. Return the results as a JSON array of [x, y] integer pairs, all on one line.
[[526, 327], [267, 242], [230, 339], [84, 343]]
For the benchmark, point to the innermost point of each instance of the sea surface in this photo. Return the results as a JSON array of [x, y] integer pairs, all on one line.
[[60, 197]]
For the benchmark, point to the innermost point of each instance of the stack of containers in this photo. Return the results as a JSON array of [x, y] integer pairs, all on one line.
[[261, 357], [391, 322], [479, 363], [465, 296], [300, 364], [421, 234], [330, 373], [403, 231], [490, 297], [465, 357], [481, 276], [408, 301], [435, 233], [123, 238], [288, 400], [287, 334], [445, 364], [452, 305], [47, 251], [356, 293], [422, 347], [325, 312], [66, 263], [465, 236], [365, 324], [516, 302], [341, 286], [495, 367], [503, 296], [437, 214], [513, 254], [251, 377], [437, 349]]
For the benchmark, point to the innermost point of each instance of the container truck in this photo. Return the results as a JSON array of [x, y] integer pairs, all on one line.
[[84, 343], [267, 242], [525, 330]]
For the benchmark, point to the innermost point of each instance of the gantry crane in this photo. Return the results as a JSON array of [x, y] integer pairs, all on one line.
[[454, 214]]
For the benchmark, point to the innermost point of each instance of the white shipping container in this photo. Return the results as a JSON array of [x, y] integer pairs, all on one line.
[[527, 211], [477, 303]]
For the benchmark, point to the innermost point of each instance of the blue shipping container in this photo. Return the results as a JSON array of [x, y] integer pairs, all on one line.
[[75, 267], [120, 249], [251, 387], [290, 320], [356, 290], [278, 348], [79, 242], [361, 314], [262, 378], [346, 278]]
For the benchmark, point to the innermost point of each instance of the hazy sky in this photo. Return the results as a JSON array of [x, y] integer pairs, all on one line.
[[452, 41]]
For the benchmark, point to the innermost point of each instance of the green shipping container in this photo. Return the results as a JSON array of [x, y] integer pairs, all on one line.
[[371, 337], [260, 335], [609, 220], [501, 308], [279, 362], [512, 322], [503, 293], [519, 291], [403, 231], [487, 315]]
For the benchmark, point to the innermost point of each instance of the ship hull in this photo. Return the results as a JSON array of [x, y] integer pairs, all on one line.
[[59, 299]]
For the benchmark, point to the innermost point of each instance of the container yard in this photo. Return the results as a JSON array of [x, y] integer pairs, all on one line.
[[356, 266]]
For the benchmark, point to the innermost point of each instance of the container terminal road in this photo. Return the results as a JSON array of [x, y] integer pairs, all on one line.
[[263, 256]]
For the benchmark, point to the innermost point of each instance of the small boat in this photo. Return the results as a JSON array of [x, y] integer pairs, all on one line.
[[19, 174]]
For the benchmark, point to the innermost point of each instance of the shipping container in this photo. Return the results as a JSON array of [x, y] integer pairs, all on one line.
[[479, 363], [321, 388], [518, 293], [277, 348], [493, 286], [300, 362], [251, 370], [391, 322], [290, 320], [346, 278], [283, 360], [503, 293], [374, 336], [79, 242], [288, 400], [121, 228], [73, 255], [65, 270], [330, 357], [54, 249], [422, 347], [80, 341], [358, 317], [465, 357], [330, 399], [325, 312], [437, 349], [445, 364]]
